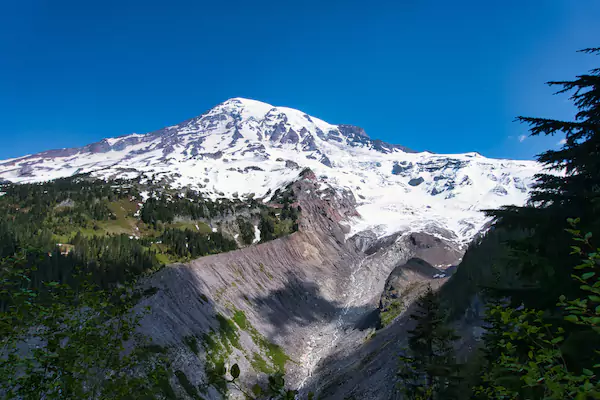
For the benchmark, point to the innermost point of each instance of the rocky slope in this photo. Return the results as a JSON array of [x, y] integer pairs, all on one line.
[[314, 293]]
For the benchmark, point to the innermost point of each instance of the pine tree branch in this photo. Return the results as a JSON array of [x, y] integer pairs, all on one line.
[[549, 126]]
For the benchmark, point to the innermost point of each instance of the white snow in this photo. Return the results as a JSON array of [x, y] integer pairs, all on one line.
[[256, 234], [454, 188]]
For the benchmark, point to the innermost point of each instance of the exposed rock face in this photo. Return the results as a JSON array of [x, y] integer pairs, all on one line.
[[287, 288], [416, 181], [367, 367], [291, 164], [400, 284], [313, 293], [367, 370]]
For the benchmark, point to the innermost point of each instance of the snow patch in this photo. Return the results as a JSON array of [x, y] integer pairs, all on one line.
[[256, 234]]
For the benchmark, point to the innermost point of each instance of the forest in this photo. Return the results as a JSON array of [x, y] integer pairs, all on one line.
[[81, 225]]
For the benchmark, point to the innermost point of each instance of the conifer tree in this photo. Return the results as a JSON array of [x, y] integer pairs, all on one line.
[[529, 349], [429, 369], [569, 187]]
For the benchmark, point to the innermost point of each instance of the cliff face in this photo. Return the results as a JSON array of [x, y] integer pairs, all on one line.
[[313, 293]]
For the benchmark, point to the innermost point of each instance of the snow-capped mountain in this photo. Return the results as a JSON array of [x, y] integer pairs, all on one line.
[[243, 147]]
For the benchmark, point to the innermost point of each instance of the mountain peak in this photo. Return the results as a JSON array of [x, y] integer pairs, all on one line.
[[247, 147], [252, 106]]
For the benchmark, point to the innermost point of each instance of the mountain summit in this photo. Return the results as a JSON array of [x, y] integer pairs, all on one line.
[[245, 147]]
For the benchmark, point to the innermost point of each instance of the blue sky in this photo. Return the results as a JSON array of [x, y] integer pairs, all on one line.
[[436, 75]]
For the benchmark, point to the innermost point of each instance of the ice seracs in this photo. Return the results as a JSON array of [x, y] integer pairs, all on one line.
[[247, 147]]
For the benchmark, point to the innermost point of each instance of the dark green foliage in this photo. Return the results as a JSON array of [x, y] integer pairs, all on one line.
[[274, 390], [246, 230], [192, 244], [228, 331], [109, 259], [486, 267], [267, 226], [278, 222], [65, 230], [240, 319], [76, 212], [527, 356], [31, 214], [192, 343], [275, 223], [81, 335], [429, 369], [542, 257], [164, 386], [118, 257], [163, 207], [187, 385]]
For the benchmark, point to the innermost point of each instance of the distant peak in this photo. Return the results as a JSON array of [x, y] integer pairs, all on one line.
[[244, 100], [252, 107]]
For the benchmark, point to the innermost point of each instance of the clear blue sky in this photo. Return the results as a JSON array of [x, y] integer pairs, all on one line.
[[447, 76]]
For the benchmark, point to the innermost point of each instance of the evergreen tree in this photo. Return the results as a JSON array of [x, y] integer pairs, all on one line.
[[568, 188], [429, 369]]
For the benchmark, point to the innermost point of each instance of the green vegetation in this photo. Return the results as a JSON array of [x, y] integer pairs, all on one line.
[[274, 390], [71, 251], [260, 364], [187, 385], [84, 225], [428, 367], [228, 332], [216, 355], [261, 266], [94, 335], [274, 352], [240, 319], [192, 343], [275, 223], [219, 348], [533, 348], [388, 315], [188, 243], [246, 230]]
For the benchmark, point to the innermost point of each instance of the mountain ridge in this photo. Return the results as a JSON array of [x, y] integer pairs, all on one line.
[[246, 148]]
